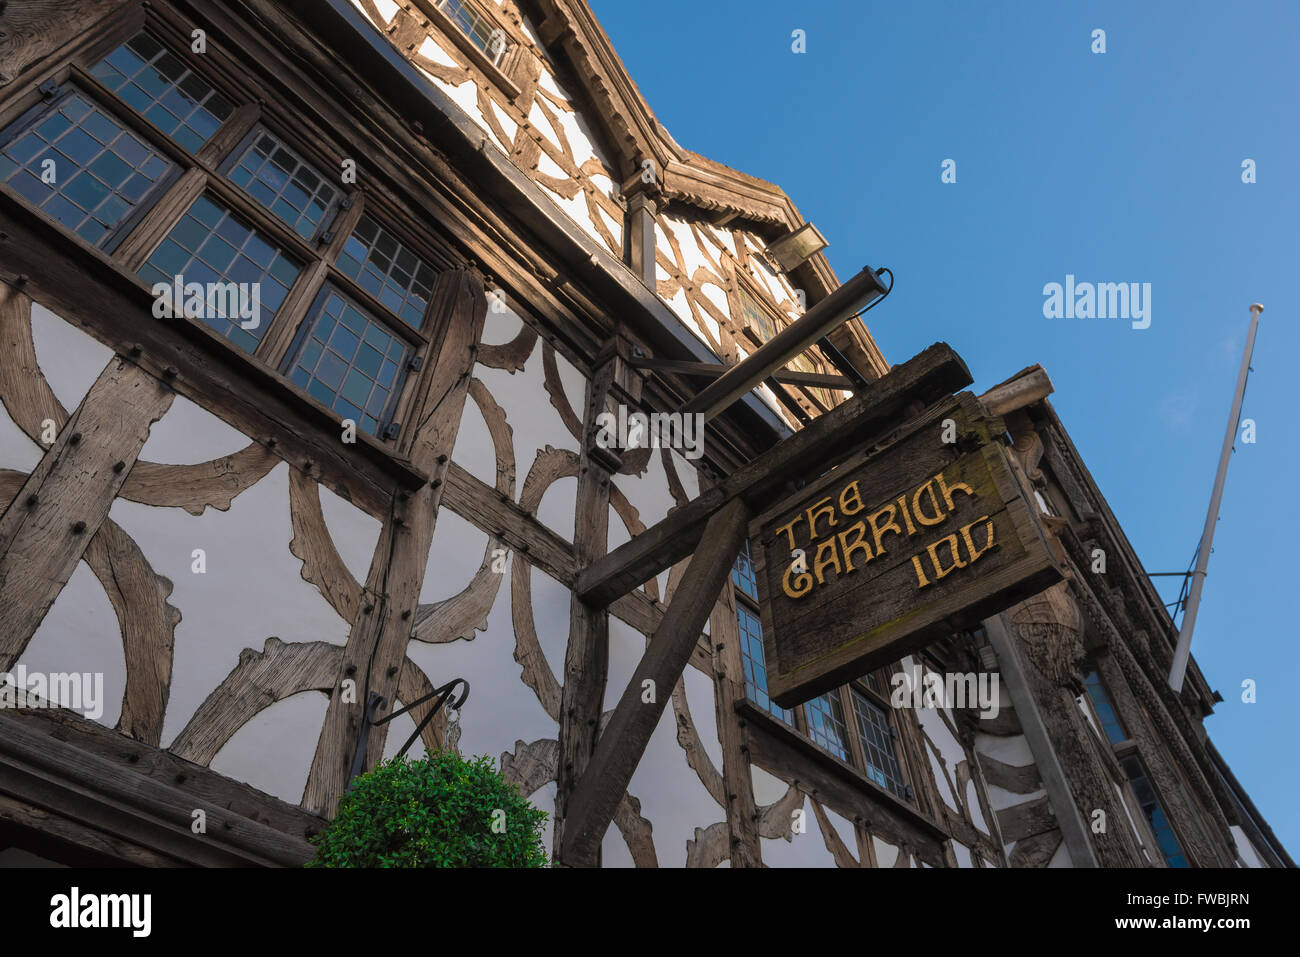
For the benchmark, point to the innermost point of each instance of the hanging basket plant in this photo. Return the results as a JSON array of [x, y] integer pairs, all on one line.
[[437, 811]]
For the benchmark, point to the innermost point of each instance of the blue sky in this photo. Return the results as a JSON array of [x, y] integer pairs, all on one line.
[[1117, 167]]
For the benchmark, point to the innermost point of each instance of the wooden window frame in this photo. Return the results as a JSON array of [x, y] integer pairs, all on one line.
[[856, 759], [200, 173], [501, 74], [742, 284]]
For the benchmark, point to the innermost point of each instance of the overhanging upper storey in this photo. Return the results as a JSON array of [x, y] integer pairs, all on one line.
[[543, 84]]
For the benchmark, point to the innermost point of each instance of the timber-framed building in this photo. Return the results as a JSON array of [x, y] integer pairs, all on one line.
[[469, 237]]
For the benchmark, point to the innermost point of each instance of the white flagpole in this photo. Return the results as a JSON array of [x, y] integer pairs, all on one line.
[[1179, 668]]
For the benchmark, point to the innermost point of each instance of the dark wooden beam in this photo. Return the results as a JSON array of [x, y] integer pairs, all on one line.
[[712, 370], [49, 524], [586, 657], [619, 750], [829, 314], [41, 767], [833, 437]]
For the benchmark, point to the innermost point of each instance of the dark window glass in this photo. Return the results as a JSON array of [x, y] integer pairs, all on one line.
[[1110, 722], [1150, 805], [826, 724], [100, 170], [756, 317], [284, 183], [388, 271], [477, 27], [878, 743], [164, 90], [210, 244], [349, 361], [751, 656], [743, 573]]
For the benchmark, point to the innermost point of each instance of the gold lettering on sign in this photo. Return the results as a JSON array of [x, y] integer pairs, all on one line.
[[848, 548], [824, 507], [973, 554], [938, 516], [832, 558], [797, 587], [946, 492], [988, 537], [789, 530], [907, 519], [931, 504], [877, 531]]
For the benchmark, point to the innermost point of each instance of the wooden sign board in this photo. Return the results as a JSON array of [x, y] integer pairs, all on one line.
[[896, 548]]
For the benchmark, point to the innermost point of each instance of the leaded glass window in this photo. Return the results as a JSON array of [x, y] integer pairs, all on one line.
[[878, 743], [284, 183], [80, 165], [756, 317], [826, 724], [160, 87], [743, 573], [349, 361], [477, 27], [1105, 710], [211, 244], [751, 655], [1150, 804], [388, 270]]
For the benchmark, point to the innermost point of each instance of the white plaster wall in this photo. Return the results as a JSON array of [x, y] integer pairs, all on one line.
[[80, 634], [501, 708], [188, 434], [252, 590], [70, 359], [807, 849], [671, 795], [273, 751], [17, 451]]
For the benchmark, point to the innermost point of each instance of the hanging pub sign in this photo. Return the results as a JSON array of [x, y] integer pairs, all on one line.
[[896, 548]]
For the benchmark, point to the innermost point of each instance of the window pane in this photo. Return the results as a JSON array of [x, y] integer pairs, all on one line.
[[1150, 804], [159, 85], [211, 244], [284, 183], [339, 360], [751, 654], [100, 171], [756, 317], [388, 270], [743, 573], [1105, 710], [477, 27], [878, 743], [826, 724]]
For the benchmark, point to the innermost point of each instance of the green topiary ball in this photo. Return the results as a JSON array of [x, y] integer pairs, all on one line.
[[437, 811]]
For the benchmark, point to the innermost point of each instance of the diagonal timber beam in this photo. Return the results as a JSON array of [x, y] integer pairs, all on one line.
[[620, 747], [830, 439]]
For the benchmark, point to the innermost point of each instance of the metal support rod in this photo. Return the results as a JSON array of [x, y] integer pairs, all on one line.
[[845, 302], [1178, 670]]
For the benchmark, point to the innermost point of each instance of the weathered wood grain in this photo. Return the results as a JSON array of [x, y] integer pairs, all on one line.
[[148, 624], [314, 546], [66, 498], [830, 439], [376, 645], [619, 750]]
